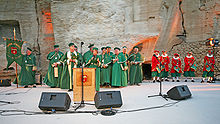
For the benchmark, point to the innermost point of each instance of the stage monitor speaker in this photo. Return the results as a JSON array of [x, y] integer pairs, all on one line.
[[5, 82], [179, 92], [108, 99], [54, 100]]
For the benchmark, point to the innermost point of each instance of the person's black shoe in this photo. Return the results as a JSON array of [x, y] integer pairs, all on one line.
[[173, 81], [34, 86], [70, 90], [53, 87], [177, 81], [202, 81], [166, 80], [208, 81], [213, 81], [158, 80], [26, 86], [161, 80], [138, 84], [154, 81], [185, 80], [192, 81]]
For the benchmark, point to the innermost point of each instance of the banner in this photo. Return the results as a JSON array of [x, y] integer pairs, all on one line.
[[13, 51]]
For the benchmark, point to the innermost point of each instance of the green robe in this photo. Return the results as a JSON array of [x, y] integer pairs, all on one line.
[[50, 80], [119, 76], [136, 73], [105, 72], [93, 63], [66, 80], [110, 66], [126, 58], [27, 76], [86, 55]]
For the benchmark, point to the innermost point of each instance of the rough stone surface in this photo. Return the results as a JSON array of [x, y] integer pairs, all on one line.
[[150, 24], [24, 12], [104, 22]]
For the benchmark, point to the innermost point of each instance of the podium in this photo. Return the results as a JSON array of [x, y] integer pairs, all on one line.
[[88, 83]]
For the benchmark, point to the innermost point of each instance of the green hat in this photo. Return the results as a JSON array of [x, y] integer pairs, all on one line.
[[71, 44], [29, 49], [117, 48], [90, 45], [103, 48], [75, 46], [124, 47], [56, 46], [95, 48], [136, 47], [108, 47]]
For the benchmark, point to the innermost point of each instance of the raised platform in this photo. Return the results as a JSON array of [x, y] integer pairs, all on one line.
[[202, 108]]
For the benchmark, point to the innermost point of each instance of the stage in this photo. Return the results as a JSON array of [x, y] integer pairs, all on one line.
[[202, 108]]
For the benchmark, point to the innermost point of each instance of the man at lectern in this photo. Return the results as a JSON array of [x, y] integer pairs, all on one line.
[[94, 61], [70, 60]]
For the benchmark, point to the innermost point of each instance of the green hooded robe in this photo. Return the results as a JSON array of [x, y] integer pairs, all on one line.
[[119, 75], [136, 73], [50, 80]]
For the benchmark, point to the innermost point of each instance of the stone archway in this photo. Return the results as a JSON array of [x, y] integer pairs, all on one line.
[[146, 47]]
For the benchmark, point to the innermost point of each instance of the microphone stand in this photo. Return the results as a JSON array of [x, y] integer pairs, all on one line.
[[82, 103], [160, 92]]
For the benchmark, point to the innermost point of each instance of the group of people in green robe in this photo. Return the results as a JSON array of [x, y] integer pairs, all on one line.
[[112, 69]]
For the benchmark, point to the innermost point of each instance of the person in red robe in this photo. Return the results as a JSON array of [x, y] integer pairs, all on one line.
[[155, 66], [208, 69], [176, 67], [189, 71], [165, 60]]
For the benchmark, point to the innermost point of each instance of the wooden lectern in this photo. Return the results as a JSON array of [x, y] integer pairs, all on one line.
[[88, 81]]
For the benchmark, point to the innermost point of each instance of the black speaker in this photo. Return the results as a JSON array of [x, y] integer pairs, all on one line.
[[54, 100], [5, 82], [108, 99], [179, 92]]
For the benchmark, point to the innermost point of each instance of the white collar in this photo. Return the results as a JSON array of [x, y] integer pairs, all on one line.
[[189, 56], [69, 54], [157, 55], [176, 58], [209, 55], [164, 55]]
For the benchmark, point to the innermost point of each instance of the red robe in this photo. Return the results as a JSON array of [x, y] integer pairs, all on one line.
[[176, 62], [165, 60], [211, 61], [188, 63], [155, 63]]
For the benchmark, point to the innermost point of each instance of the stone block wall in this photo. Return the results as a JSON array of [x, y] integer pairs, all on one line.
[[22, 11], [150, 24]]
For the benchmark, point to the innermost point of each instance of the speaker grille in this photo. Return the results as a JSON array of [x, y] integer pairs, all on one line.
[[179, 92]]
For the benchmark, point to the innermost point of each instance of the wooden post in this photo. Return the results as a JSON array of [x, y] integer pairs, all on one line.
[[16, 65]]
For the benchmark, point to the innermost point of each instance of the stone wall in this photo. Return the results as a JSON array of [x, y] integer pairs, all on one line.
[[34, 18], [201, 21], [104, 22], [22, 11], [150, 24]]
